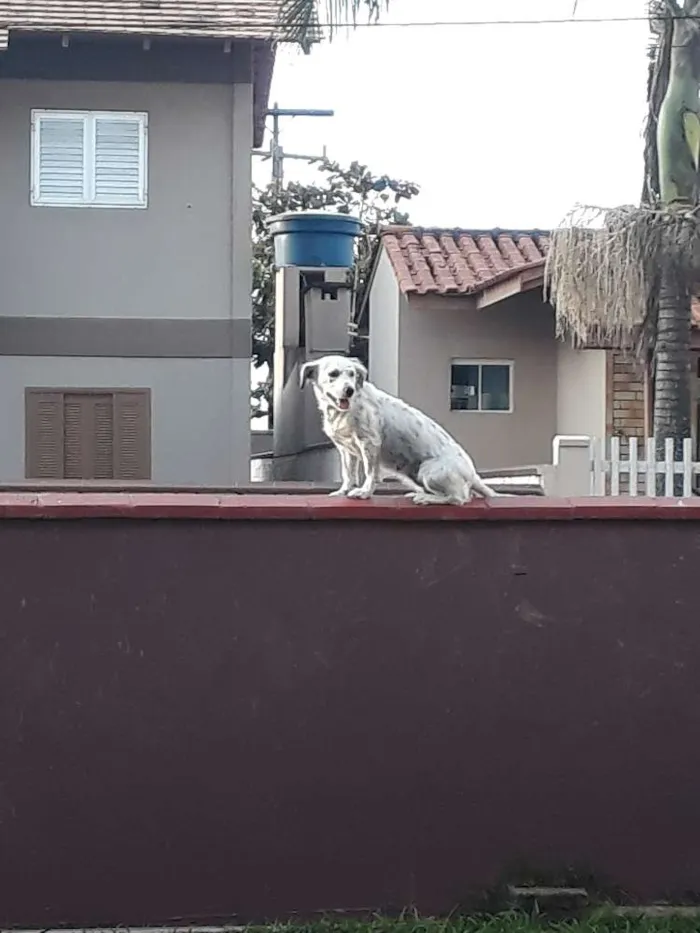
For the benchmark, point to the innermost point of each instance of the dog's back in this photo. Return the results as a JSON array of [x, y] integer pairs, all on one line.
[[410, 437]]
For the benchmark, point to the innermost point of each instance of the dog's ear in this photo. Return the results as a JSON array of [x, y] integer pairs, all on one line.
[[308, 373], [361, 371]]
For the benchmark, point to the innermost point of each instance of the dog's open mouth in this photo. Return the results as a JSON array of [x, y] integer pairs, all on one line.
[[343, 404]]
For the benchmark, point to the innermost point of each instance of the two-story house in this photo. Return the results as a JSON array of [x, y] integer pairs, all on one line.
[[125, 201]]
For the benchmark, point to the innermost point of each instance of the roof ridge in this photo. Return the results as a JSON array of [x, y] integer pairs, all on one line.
[[464, 231]]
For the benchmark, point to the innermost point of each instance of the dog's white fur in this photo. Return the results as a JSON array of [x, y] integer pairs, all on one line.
[[378, 434]]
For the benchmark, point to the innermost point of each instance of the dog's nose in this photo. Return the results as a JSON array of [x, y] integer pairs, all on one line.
[[349, 392]]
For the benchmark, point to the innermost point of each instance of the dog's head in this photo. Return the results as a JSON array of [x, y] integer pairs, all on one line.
[[336, 378]]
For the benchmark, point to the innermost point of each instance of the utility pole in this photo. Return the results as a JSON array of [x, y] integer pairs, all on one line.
[[276, 152]]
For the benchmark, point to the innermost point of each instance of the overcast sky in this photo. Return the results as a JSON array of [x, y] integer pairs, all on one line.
[[500, 125]]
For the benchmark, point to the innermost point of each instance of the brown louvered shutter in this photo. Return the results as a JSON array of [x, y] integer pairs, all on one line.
[[44, 435], [132, 435], [74, 436], [88, 435], [102, 435]]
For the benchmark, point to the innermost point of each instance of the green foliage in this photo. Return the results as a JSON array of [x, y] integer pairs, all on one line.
[[512, 922], [375, 199]]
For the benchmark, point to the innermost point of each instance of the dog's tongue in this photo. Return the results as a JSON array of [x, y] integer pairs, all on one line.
[[344, 404]]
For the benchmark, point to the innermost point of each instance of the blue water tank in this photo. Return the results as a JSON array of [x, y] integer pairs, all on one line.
[[314, 239]]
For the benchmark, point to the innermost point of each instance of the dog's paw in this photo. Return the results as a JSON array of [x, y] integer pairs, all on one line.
[[359, 493], [339, 492], [424, 498]]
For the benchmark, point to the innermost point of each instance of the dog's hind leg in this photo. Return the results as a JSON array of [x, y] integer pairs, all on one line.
[[408, 483], [440, 485]]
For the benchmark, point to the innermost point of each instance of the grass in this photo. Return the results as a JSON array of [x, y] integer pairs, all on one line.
[[598, 921]]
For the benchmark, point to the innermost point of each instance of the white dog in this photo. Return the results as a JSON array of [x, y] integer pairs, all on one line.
[[376, 433]]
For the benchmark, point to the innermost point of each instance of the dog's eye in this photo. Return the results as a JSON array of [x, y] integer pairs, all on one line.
[[334, 374]]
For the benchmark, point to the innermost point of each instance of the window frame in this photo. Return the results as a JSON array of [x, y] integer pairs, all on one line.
[[89, 118], [480, 363]]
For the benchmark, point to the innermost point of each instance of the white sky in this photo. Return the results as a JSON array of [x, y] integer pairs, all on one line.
[[507, 125]]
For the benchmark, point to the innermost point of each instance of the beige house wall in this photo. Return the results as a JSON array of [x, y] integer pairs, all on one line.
[[581, 391], [386, 305], [435, 330]]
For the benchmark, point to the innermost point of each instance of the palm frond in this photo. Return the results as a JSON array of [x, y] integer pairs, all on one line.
[[302, 21]]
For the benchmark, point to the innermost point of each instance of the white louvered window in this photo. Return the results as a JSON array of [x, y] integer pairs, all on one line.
[[89, 159]]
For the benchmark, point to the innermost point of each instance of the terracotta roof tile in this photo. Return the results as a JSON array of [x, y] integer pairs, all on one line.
[[460, 262], [465, 262], [235, 19]]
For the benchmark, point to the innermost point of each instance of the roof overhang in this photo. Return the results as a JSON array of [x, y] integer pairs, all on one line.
[[521, 282], [254, 57]]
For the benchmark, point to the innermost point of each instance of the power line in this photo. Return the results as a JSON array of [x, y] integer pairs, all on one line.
[[198, 27], [499, 22]]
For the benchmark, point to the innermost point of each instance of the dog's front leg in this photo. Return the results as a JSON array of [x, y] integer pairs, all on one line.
[[347, 473], [369, 457], [356, 470]]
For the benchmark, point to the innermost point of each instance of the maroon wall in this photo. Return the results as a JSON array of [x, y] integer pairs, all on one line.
[[207, 719]]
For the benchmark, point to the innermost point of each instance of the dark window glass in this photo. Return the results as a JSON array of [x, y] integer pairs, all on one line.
[[480, 387], [464, 394], [495, 388]]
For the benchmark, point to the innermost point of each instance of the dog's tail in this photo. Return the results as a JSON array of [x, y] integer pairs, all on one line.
[[478, 485]]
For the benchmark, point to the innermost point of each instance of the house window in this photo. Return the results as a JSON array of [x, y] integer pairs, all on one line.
[[88, 159], [481, 386], [88, 434]]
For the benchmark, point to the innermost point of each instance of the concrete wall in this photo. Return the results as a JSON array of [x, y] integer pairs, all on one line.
[[319, 464], [260, 442], [581, 391], [240, 720], [386, 302], [195, 438], [171, 260], [435, 330]]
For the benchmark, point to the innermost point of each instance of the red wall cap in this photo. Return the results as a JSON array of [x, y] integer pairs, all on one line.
[[247, 507]]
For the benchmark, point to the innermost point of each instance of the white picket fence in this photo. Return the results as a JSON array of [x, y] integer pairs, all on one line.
[[588, 466], [614, 474]]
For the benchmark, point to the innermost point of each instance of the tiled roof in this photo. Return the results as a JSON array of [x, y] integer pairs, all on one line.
[[461, 262], [234, 19], [430, 260]]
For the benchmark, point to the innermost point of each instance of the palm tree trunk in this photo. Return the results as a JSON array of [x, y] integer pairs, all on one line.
[[672, 370], [678, 151]]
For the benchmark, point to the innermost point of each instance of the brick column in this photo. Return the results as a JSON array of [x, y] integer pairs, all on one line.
[[626, 401], [626, 396]]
